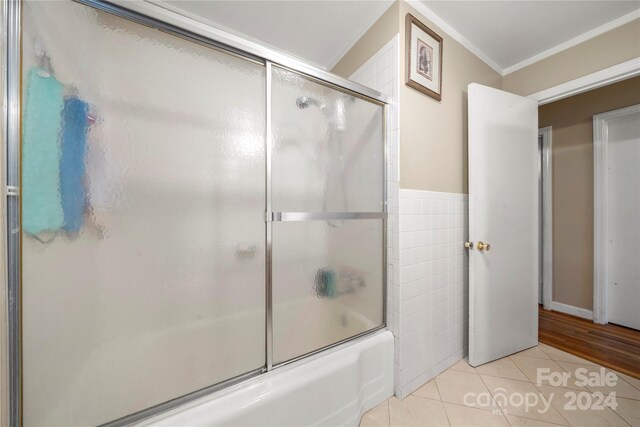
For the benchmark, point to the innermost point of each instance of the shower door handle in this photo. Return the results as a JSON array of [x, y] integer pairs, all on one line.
[[323, 216]]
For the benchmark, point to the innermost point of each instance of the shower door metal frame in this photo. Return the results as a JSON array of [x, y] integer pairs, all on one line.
[[11, 317], [171, 22]]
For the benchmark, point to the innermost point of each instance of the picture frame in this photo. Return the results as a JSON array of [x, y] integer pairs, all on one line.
[[424, 58]]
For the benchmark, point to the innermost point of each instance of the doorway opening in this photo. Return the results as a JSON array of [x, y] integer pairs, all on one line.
[[577, 200], [545, 271]]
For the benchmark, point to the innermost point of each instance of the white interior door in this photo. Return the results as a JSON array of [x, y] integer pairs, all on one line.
[[503, 213], [623, 219]]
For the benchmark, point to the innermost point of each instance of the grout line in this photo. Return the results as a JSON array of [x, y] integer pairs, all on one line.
[[459, 404], [554, 407], [520, 369], [389, 411], [620, 415], [465, 406], [538, 420], [542, 350], [539, 391], [509, 379], [505, 417], [624, 397], [493, 399], [623, 380], [427, 398], [444, 408], [438, 388], [523, 416]]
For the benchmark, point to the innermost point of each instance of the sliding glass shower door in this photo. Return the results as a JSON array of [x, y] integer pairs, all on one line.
[[190, 216], [143, 197], [328, 209]]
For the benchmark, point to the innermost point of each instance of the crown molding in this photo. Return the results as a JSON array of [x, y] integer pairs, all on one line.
[[454, 34], [618, 22], [352, 42], [444, 26]]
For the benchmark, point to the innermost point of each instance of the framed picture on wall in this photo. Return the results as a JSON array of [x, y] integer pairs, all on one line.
[[424, 58]]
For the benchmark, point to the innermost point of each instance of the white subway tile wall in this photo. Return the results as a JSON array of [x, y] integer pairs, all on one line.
[[427, 270], [432, 322]]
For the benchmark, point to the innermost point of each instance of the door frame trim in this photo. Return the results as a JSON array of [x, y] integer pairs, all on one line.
[[613, 74], [600, 193], [546, 175], [610, 75]]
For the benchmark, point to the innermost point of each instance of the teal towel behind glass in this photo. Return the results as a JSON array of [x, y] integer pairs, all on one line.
[[41, 202], [73, 148]]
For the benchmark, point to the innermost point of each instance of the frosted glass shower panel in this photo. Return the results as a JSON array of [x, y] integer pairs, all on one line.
[[327, 283], [143, 202], [327, 169], [327, 148]]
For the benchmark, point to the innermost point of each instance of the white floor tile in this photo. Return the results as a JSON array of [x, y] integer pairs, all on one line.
[[441, 402], [628, 409], [502, 368], [464, 416], [464, 366], [377, 417], [622, 388], [464, 388], [511, 396], [564, 400], [429, 391], [415, 411]]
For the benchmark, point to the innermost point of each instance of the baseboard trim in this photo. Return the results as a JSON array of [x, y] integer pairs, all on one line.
[[572, 310]]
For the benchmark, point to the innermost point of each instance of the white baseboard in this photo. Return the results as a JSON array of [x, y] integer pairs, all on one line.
[[570, 309]]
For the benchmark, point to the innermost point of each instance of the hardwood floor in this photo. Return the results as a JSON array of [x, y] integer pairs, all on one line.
[[612, 346]]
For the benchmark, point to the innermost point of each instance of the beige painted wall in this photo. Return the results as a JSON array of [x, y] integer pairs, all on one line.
[[611, 48], [371, 42], [433, 134], [572, 122]]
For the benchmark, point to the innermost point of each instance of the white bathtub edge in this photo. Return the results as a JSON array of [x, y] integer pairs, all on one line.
[[335, 388]]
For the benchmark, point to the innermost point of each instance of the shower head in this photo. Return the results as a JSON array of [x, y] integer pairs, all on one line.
[[304, 102], [335, 113]]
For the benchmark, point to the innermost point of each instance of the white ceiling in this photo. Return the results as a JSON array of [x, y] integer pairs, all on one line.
[[505, 34], [510, 32], [318, 31]]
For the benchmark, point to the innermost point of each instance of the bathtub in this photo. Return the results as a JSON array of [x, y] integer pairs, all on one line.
[[340, 382], [332, 388]]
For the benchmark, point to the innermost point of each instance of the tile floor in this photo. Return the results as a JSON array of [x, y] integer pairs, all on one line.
[[498, 387]]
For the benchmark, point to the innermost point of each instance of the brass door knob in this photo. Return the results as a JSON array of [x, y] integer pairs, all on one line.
[[483, 246], [468, 245]]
